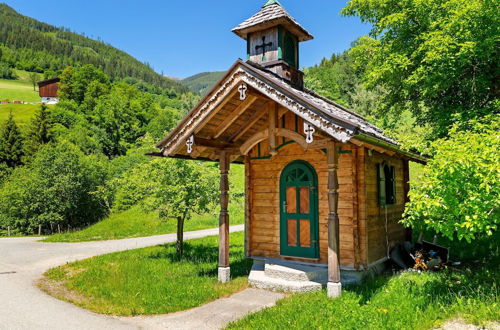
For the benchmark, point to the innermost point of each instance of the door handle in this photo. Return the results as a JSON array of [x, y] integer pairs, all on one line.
[[284, 206]]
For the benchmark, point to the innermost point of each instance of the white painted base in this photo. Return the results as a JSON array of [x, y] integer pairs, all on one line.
[[334, 290], [224, 274]]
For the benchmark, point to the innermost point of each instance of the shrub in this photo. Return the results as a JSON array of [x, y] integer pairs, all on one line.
[[61, 186], [459, 191]]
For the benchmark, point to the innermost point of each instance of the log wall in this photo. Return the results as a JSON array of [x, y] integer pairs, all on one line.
[[379, 236], [264, 201]]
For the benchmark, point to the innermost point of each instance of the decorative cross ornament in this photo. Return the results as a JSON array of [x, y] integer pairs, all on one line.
[[263, 46], [190, 144], [243, 91], [309, 131]]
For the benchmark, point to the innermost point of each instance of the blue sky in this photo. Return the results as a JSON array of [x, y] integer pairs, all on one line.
[[181, 38]]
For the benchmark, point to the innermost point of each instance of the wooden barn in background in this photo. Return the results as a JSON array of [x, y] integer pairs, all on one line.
[[48, 90], [325, 189]]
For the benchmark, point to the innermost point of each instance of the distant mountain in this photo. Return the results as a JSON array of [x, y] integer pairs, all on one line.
[[202, 82], [30, 45]]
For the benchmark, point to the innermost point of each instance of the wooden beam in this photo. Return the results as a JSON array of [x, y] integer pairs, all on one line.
[[224, 165], [234, 115], [197, 151], [216, 110], [209, 143], [333, 215], [247, 125], [250, 143], [248, 206], [273, 122], [355, 206]]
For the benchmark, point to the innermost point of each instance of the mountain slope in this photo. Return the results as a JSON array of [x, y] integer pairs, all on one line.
[[30, 45], [202, 82]]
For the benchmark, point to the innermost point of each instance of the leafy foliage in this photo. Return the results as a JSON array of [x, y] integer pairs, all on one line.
[[459, 192], [40, 130], [436, 58], [11, 143], [61, 187]]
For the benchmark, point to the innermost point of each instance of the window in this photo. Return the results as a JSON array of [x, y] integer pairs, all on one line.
[[290, 49], [386, 184]]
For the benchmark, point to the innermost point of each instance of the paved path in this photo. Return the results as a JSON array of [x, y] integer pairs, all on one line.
[[23, 306]]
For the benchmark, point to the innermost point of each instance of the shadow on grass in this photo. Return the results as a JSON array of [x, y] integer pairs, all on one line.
[[207, 254]]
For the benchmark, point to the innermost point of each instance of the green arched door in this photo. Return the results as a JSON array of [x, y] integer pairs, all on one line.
[[299, 211]]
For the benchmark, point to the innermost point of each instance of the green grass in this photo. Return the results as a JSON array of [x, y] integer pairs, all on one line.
[[404, 301], [136, 223], [20, 90], [150, 280], [23, 113]]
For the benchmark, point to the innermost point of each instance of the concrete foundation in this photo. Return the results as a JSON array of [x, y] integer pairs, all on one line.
[[294, 276], [334, 290], [224, 274]]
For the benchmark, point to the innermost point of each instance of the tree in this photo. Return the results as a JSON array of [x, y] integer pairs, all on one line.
[[33, 78], [459, 190], [40, 130], [61, 186], [185, 188], [11, 143], [436, 58], [175, 188]]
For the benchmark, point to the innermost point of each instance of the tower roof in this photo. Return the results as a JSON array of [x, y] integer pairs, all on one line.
[[270, 15]]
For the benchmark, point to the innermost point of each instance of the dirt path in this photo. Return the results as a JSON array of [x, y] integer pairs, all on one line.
[[24, 260]]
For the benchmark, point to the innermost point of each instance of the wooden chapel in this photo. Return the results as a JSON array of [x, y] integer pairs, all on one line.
[[324, 188]]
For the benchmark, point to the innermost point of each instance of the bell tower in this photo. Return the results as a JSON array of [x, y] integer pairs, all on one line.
[[273, 38]]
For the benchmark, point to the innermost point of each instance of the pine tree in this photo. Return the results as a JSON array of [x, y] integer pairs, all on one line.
[[11, 143], [40, 130]]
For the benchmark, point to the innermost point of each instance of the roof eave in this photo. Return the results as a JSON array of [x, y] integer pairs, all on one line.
[[302, 34], [392, 147], [207, 96]]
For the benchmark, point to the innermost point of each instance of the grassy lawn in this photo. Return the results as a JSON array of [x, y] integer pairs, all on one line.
[[23, 113], [136, 223], [404, 301], [150, 280], [20, 90]]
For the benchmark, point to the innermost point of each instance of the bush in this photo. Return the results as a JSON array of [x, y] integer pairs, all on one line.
[[6, 72], [62, 186], [459, 191]]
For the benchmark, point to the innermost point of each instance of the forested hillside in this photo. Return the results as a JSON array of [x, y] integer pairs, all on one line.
[[27, 44], [202, 82]]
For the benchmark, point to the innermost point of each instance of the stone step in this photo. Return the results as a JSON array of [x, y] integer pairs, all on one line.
[[296, 272], [258, 279]]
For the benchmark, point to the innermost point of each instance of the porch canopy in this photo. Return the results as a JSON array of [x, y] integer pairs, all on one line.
[[243, 109]]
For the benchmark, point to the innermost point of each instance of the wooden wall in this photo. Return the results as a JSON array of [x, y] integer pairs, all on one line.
[[256, 40], [378, 237], [264, 180], [49, 90]]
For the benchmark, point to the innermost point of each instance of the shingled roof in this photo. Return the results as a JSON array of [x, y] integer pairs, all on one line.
[[335, 120], [270, 15]]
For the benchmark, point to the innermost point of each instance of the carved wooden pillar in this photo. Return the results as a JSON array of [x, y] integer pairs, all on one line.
[[273, 121], [334, 287], [224, 270]]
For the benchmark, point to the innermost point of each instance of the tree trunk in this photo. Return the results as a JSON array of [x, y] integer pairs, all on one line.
[[180, 235]]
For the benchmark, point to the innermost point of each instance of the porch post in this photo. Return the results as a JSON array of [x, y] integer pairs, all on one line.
[[224, 269], [334, 287]]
